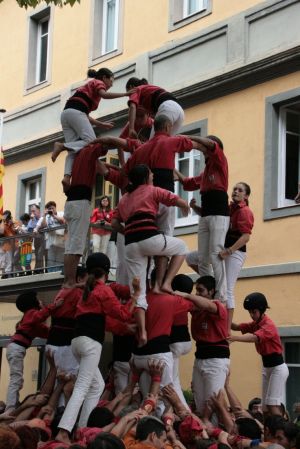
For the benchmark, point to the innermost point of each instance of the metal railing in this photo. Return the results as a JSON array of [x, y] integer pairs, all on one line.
[[26, 254]]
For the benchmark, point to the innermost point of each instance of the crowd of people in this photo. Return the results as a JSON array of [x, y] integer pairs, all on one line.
[[141, 405]]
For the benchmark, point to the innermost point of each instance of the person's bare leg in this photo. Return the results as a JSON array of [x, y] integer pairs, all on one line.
[[139, 315], [70, 266], [58, 148], [63, 436], [161, 264], [174, 265], [274, 410]]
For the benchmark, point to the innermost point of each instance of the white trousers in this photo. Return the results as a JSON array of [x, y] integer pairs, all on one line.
[[78, 132], [233, 266], [209, 377], [121, 272], [89, 384], [273, 384], [15, 357], [179, 349], [165, 219], [100, 243], [64, 359], [174, 112], [121, 375], [212, 233], [141, 362], [137, 253]]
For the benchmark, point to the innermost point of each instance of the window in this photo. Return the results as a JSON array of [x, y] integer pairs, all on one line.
[[39, 48], [292, 359], [42, 50], [193, 6], [103, 187], [289, 149], [282, 154], [106, 34], [190, 164], [32, 193], [31, 187], [183, 12]]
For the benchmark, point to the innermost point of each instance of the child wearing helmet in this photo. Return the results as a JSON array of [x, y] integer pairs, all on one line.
[[263, 332]]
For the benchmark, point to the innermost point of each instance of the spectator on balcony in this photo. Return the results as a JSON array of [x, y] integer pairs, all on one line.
[[54, 238], [38, 240], [7, 228], [101, 216]]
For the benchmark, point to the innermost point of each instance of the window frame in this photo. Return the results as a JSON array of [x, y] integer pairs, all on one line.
[[97, 53], [35, 19], [104, 26], [274, 207], [22, 182], [289, 339], [37, 200], [39, 50], [183, 224], [177, 19]]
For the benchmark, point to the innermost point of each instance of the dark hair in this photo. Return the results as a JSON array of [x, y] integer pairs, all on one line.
[[29, 437], [95, 273], [217, 140], [26, 301], [274, 423], [160, 122], [25, 217], [100, 74], [107, 208], [248, 427], [8, 213], [209, 282], [254, 401], [35, 205], [138, 176], [183, 283], [81, 271], [290, 431], [100, 417], [106, 440], [8, 438], [50, 203], [135, 82], [148, 425]]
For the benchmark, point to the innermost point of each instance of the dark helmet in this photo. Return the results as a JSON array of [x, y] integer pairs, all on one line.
[[98, 260], [183, 283], [26, 301], [256, 301]]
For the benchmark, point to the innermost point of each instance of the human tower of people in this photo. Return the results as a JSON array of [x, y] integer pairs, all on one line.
[[142, 403]]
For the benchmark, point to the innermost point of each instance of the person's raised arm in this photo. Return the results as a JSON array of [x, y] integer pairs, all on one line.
[[131, 118], [111, 95], [200, 302]]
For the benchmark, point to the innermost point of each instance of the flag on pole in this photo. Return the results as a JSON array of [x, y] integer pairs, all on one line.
[[1, 182]]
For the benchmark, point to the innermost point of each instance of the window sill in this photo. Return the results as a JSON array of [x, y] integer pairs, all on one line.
[[36, 87], [175, 25], [96, 59], [186, 229], [282, 212]]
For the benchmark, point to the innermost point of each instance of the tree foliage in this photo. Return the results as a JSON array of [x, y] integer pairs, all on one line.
[[34, 3]]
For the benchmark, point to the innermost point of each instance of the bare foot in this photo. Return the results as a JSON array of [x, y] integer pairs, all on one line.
[[157, 290], [58, 148], [63, 436], [167, 288], [66, 182]]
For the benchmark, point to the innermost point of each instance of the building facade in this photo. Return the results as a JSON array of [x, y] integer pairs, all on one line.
[[234, 66]]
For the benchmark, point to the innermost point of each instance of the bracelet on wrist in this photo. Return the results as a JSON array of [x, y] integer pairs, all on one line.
[[156, 378]]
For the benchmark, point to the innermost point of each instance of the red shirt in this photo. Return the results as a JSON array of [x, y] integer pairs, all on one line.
[[91, 89], [143, 96], [84, 167], [191, 184], [103, 301], [71, 296], [117, 178], [241, 218], [146, 198], [215, 174], [32, 326], [210, 327], [159, 152], [137, 128], [99, 215], [267, 333], [161, 311]]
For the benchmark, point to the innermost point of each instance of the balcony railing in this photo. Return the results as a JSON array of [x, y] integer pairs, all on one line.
[[26, 254]]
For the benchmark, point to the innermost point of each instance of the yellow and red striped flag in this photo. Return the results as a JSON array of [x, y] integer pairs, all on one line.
[[1, 182]]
